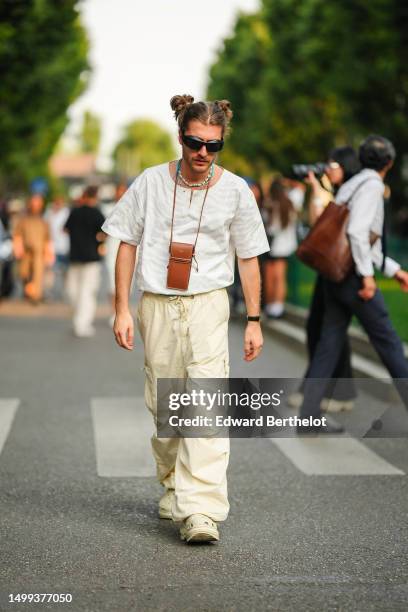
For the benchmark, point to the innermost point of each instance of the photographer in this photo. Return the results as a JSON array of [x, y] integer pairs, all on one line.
[[342, 165], [358, 294]]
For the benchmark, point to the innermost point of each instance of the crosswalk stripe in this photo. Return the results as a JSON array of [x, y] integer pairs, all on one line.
[[122, 431], [334, 456], [8, 409]]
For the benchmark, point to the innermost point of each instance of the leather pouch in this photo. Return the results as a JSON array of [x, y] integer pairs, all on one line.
[[179, 267], [326, 247]]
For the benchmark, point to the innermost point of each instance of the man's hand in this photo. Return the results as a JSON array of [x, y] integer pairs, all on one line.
[[369, 288], [402, 277], [123, 328], [253, 341]]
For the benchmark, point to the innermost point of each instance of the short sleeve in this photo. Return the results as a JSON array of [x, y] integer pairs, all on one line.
[[247, 228], [126, 221]]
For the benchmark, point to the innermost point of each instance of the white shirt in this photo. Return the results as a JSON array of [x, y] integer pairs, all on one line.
[[366, 217], [284, 240], [231, 222], [56, 220], [297, 196]]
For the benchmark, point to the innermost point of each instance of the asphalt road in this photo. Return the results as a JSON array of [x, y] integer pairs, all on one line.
[[309, 529]]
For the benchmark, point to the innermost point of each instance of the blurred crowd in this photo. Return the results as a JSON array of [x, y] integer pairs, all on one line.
[[40, 243], [289, 207], [53, 251]]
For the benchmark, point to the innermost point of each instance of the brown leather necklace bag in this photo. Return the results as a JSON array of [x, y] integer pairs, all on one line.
[[181, 253]]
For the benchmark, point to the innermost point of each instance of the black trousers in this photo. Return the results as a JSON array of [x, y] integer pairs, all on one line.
[[335, 389], [341, 303]]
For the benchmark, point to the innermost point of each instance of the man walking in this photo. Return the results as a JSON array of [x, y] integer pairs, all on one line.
[[358, 294], [33, 247], [194, 207], [84, 228]]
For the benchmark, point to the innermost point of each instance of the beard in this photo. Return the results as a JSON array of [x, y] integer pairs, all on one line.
[[199, 166], [192, 161]]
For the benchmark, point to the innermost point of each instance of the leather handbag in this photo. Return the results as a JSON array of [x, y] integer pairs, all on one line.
[[179, 268], [326, 247], [181, 254]]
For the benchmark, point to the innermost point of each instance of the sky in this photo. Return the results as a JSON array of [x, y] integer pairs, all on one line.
[[145, 51]]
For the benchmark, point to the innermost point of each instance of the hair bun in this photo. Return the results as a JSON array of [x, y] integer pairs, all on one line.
[[180, 103], [225, 106]]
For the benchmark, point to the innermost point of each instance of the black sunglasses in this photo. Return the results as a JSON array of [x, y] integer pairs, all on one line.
[[194, 143]]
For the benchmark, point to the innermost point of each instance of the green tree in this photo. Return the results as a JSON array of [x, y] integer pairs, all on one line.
[[144, 144], [91, 131], [327, 74], [43, 63], [236, 75]]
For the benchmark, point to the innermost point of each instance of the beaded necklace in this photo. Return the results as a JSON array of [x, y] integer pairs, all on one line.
[[202, 183]]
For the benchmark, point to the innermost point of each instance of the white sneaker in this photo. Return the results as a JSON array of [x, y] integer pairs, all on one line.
[[199, 528], [165, 504], [332, 405]]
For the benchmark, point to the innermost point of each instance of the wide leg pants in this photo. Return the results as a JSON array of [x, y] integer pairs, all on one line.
[[83, 280], [341, 303], [187, 337]]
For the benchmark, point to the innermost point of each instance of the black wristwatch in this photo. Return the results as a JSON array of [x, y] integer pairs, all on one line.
[[257, 318]]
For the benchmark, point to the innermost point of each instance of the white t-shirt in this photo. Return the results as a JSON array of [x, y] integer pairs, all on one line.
[[284, 241], [231, 222]]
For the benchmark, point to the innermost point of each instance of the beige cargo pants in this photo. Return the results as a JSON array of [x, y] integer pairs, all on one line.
[[187, 337]]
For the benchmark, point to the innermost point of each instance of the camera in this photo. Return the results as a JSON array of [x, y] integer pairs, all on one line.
[[300, 171]]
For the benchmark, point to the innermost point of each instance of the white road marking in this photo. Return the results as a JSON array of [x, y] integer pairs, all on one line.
[[334, 456], [8, 409], [122, 429]]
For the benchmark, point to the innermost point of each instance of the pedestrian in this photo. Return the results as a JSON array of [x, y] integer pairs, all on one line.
[[358, 294], [56, 216], [33, 248], [185, 330], [342, 165], [281, 229], [83, 279], [6, 253]]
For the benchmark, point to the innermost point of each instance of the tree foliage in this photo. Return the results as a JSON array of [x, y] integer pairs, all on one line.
[[144, 144], [236, 76], [91, 132], [306, 76], [43, 63]]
